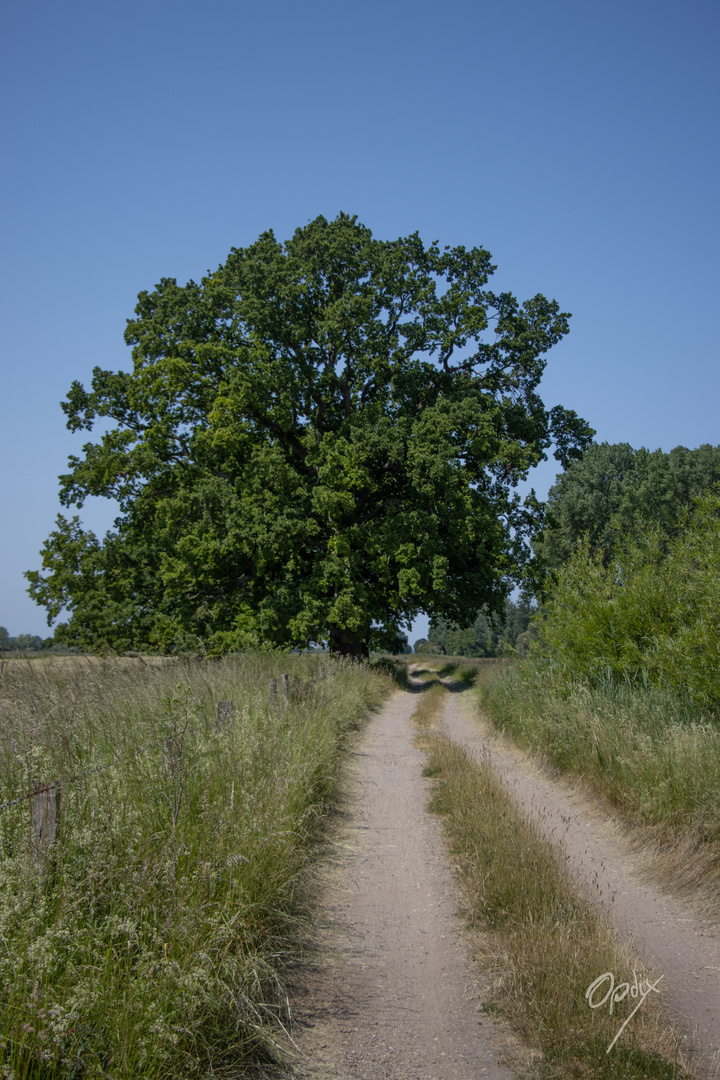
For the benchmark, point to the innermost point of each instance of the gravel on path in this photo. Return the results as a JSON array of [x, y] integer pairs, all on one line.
[[666, 933], [394, 994]]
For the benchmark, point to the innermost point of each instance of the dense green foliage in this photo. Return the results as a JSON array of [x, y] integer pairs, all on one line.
[[151, 938], [317, 442], [491, 634], [650, 612], [614, 488]]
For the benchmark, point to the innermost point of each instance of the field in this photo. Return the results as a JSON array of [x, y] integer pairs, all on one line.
[[149, 936], [155, 931]]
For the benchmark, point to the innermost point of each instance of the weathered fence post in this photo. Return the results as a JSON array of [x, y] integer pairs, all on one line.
[[279, 687], [44, 814], [224, 712]]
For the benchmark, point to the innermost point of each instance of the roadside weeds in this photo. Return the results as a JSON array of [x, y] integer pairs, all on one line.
[[155, 937]]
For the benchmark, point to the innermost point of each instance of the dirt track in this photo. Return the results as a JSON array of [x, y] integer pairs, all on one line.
[[667, 934], [394, 995]]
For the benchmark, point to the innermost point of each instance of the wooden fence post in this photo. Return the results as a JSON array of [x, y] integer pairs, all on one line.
[[44, 814], [279, 687], [224, 712]]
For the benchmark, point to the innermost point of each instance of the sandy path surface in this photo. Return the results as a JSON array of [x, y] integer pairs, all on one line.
[[667, 934], [393, 995]]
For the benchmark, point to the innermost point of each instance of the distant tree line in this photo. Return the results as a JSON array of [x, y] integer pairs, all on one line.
[[30, 643], [612, 496], [491, 634], [611, 499], [21, 643]]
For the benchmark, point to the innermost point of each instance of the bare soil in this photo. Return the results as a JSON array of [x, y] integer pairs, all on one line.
[[670, 937], [391, 992]]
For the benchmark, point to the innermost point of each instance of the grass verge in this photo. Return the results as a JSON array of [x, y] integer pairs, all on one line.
[[544, 941], [150, 939], [657, 764]]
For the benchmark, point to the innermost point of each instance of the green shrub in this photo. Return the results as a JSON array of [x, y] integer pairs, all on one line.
[[650, 613]]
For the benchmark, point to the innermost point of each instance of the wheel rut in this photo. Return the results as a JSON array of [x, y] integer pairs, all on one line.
[[391, 992], [394, 994], [667, 934]]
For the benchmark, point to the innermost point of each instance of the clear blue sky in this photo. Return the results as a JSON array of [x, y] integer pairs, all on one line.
[[577, 142]]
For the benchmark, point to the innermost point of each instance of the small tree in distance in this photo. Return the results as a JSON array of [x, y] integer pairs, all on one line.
[[491, 633], [317, 442]]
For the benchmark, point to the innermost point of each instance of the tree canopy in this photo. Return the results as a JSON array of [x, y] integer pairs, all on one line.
[[318, 441], [613, 488]]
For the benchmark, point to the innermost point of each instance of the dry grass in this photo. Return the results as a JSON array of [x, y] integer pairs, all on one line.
[[152, 938], [541, 938], [656, 764]]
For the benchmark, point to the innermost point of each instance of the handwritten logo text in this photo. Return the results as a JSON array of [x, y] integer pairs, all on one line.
[[614, 994]]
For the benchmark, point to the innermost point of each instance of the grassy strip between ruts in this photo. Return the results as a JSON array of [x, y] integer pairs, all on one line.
[[543, 941], [151, 938]]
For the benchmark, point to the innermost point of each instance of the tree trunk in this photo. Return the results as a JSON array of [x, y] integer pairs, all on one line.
[[347, 643]]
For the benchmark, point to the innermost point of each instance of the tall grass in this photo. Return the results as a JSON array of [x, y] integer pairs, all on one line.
[[547, 944], [657, 762], [150, 939], [544, 942]]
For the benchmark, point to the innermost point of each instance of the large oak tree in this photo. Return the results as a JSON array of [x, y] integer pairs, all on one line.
[[317, 442]]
